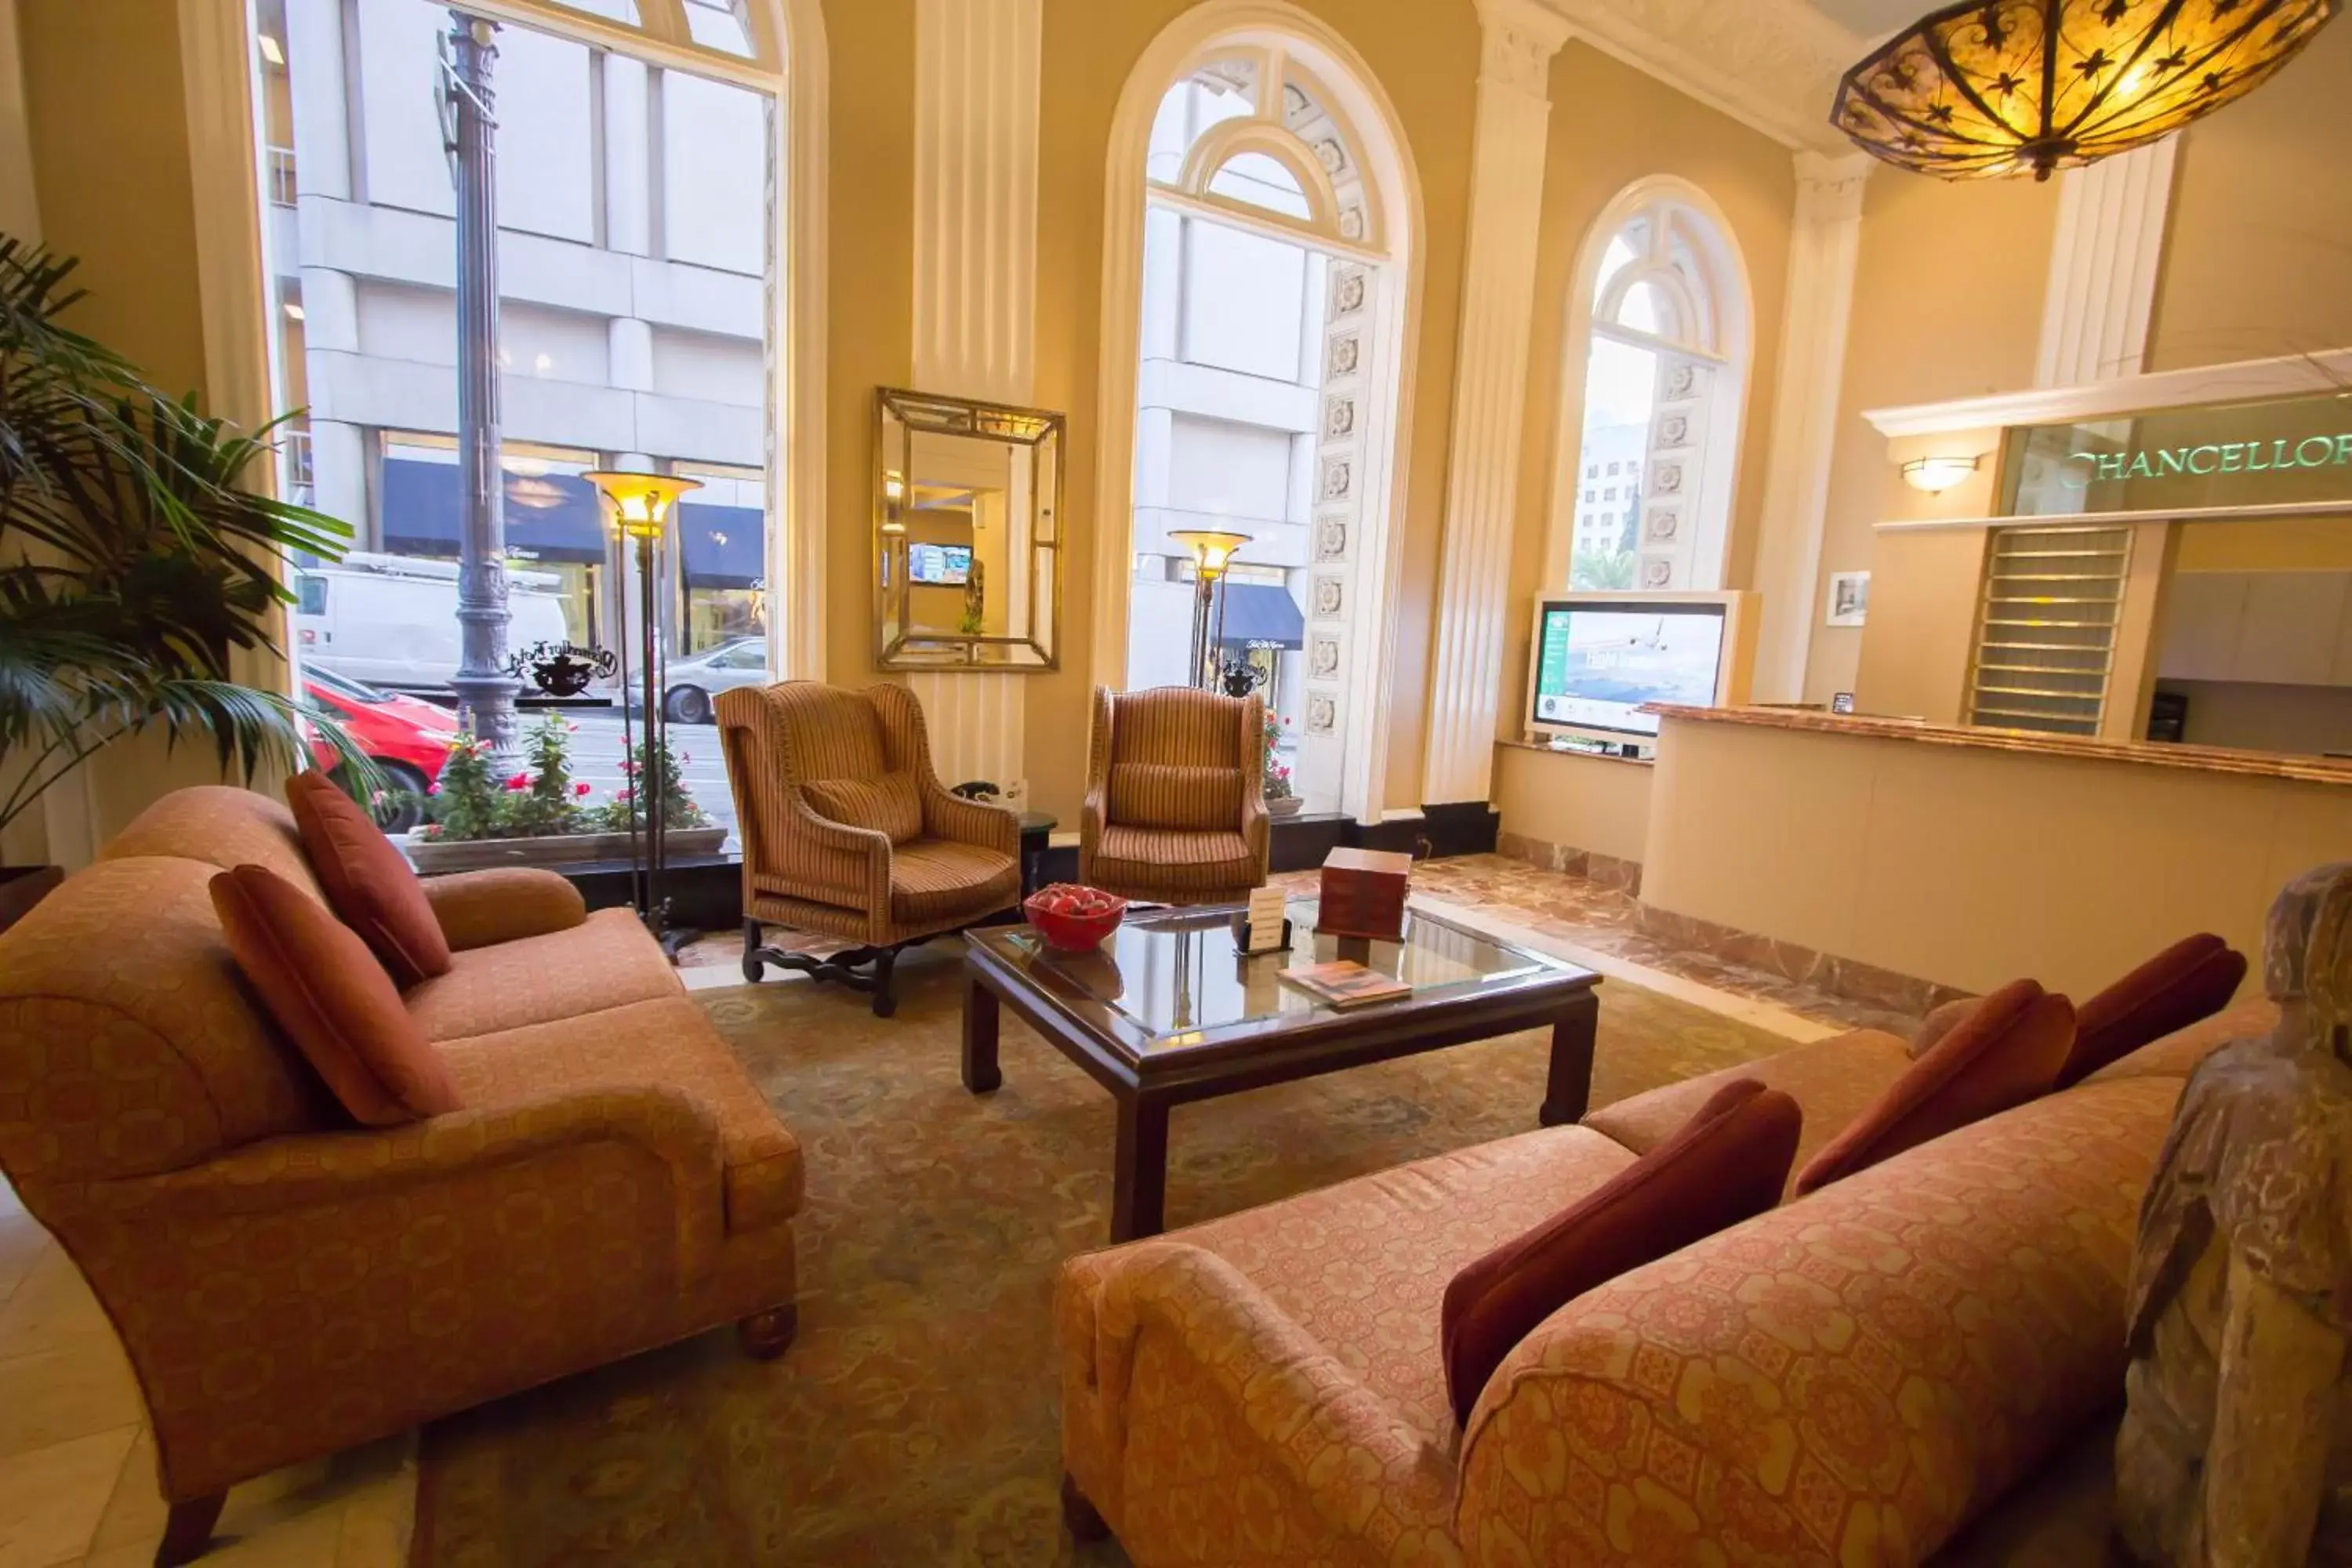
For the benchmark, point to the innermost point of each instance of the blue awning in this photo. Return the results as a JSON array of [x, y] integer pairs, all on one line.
[[549, 517], [1261, 615], [722, 546]]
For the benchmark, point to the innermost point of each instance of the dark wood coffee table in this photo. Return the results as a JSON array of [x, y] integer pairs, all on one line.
[[1169, 1012]]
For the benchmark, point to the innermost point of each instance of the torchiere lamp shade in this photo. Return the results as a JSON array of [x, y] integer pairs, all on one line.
[[642, 503], [1984, 89]]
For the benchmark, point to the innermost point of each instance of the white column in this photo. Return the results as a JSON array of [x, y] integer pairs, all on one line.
[[2104, 265], [1822, 248], [628, 157], [1506, 177], [976, 73]]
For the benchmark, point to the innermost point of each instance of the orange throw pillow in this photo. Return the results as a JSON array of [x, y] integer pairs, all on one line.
[[1726, 1164], [323, 987], [367, 881], [2187, 981], [2003, 1053]]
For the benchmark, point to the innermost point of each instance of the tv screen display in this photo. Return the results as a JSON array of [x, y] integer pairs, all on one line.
[[946, 565], [1597, 664]]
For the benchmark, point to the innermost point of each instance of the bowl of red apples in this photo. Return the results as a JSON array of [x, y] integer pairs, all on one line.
[[1072, 918]]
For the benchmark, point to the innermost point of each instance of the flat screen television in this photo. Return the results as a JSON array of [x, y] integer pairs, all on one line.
[[1599, 658], [939, 565]]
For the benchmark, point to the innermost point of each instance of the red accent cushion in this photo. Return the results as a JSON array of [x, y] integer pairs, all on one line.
[[2004, 1053], [2187, 981], [324, 988], [367, 881], [1726, 1164]]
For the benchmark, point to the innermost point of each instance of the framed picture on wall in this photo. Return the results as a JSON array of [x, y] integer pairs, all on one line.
[[1849, 598]]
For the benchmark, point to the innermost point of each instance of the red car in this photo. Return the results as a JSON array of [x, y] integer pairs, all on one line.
[[408, 739]]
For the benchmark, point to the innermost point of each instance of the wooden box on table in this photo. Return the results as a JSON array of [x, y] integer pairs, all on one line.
[[1363, 893]]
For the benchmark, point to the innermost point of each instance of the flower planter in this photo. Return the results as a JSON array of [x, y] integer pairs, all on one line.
[[1288, 806], [432, 856]]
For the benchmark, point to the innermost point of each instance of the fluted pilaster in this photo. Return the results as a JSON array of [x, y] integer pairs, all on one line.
[[2103, 266], [1490, 394]]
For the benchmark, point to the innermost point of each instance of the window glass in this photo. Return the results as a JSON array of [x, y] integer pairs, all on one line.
[[1221, 93], [714, 25], [1622, 253], [1262, 182]]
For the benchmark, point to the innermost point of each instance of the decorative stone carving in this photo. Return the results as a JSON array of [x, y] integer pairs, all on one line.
[[1322, 714], [1662, 525], [1682, 380], [1658, 571], [1296, 104], [2239, 1394], [1332, 538], [1338, 416], [1348, 298], [1330, 596], [1331, 155], [1674, 430], [1667, 479], [1346, 349], [1338, 479], [1351, 223], [1323, 657], [1519, 42]]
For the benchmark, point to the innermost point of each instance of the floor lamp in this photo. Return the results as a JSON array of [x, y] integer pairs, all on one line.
[[642, 505], [1212, 551]]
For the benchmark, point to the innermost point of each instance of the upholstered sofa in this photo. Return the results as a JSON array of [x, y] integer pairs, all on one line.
[[1849, 1379], [287, 1283]]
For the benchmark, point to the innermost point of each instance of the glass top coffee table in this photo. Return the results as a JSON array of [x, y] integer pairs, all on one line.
[[1169, 1010]]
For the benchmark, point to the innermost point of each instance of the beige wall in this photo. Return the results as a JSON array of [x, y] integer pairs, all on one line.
[[1971, 867], [2273, 545], [1947, 303], [1574, 799], [1923, 612], [2261, 231], [1611, 125]]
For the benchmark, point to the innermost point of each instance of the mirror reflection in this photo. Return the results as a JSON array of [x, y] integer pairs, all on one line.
[[967, 555]]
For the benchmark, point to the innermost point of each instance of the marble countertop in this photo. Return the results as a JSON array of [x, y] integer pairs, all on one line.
[[2191, 759], [1551, 751]]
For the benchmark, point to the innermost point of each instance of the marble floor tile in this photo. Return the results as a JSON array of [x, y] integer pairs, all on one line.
[[52, 1308], [22, 1242], [133, 1520], [51, 1499], [53, 1396]]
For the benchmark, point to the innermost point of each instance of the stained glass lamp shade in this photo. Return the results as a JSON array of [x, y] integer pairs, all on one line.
[[1989, 88]]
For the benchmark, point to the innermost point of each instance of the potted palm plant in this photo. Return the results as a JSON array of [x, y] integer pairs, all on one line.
[[132, 562]]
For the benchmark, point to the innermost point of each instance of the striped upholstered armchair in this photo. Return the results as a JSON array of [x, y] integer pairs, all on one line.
[[1175, 804], [848, 833]]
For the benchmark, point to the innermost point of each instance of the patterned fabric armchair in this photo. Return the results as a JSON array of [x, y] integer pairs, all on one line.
[[287, 1284], [847, 832], [1175, 807], [1853, 1378]]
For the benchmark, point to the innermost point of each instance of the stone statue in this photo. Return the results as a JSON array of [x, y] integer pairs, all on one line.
[[2236, 1446]]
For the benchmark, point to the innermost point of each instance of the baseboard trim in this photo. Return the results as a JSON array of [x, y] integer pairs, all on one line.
[[1461, 828]]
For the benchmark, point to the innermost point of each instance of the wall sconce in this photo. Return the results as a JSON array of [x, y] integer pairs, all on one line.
[[1937, 475]]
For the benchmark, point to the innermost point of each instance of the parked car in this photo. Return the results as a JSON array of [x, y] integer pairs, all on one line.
[[408, 739], [693, 681], [391, 620]]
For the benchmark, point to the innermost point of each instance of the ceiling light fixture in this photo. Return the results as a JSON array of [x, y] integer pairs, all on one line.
[[1983, 89], [1937, 475]]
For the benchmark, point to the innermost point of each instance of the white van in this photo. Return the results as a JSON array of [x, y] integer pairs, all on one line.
[[390, 620]]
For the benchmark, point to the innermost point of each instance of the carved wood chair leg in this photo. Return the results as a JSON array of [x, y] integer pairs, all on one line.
[[767, 1335], [1085, 1525], [189, 1530], [885, 1001], [754, 970]]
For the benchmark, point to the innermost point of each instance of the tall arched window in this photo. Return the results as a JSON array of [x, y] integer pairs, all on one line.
[[1271, 297], [1643, 496]]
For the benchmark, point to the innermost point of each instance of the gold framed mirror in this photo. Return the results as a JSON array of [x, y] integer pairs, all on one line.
[[967, 534]]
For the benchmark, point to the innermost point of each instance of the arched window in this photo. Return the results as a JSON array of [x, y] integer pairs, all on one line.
[[671, 143], [1643, 497], [1271, 293]]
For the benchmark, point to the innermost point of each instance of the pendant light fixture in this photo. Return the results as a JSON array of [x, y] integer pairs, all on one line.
[[1991, 87]]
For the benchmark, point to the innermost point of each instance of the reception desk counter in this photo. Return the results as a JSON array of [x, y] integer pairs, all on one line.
[[1968, 858]]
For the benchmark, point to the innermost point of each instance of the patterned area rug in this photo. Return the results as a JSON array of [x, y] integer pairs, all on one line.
[[915, 1421]]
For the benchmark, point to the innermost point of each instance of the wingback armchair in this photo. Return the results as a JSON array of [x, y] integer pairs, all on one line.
[[1175, 808], [848, 833]]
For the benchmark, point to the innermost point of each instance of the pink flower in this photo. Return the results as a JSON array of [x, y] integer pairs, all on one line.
[[628, 766], [430, 830], [518, 782], [433, 789], [573, 728], [624, 794], [581, 789]]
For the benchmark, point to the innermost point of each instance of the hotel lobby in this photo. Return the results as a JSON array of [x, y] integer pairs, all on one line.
[[1174, 782]]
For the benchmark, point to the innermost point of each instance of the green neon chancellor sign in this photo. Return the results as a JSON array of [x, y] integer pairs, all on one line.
[[2084, 470]]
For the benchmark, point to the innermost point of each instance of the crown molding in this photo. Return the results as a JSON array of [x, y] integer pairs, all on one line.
[[1772, 64]]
